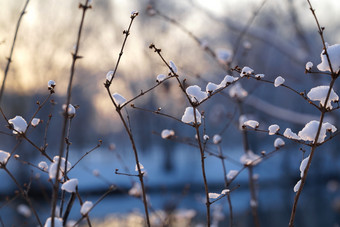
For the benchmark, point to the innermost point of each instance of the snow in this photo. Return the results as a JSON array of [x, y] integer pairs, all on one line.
[[53, 167], [217, 139], [303, 166], [279, 143], [119, 99], [236, 91], [279, 81], [51, 84], [227, 80], [136, 190], [35, 122], [290, 135], [246, 71], [161, 77], [320, 93], [225, 191], [253, 203], [334, 56], [24, 210], [166, 133], [43, 165], [231, 174], [211, 87], [297, 186], [273, 129], [196, 94], [251, 123], [213, 195], [308, 133], [173, 66], [188, 116], [4, 156], [70, 185], [309, 65], [140, 166], [243, 118], [109, 75], [58, 222], [19, 124], [206, 137], [259, 76], [86, 207], [71, 110], [250, 158], [223, 55]]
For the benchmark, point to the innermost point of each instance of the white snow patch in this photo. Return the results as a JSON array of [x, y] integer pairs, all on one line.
[[188, 116], [236, 91], [70, 185], [320, 93], [86, 207], [231, 174], [297, 186], [217, 139], [273, 129], [51, 84], [161, 77], [225, 191], [52, 172], [227, 80], [290, 135], [251, 123], [206, 137], [303, 166], [195, 93], [279, 143], [309, 65], [35, 122], [213, 195], [140, 166], [58, 222], [308, 133], [243, 118], [279, 81], [173, 66], [166, 133], [259, 76], [334, 56], [136, 190], [70, 110], [109, 75], [246, 71], [4, 156], [119, 99], [250, 158], [24, 210], [211, 87], [43, 165], [19, 124], [224, 56]]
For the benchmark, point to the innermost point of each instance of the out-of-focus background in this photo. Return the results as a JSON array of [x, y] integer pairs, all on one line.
[[272, 37]]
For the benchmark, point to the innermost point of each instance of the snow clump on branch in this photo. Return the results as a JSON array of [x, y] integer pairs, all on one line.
[[319, 93], [334, 56]]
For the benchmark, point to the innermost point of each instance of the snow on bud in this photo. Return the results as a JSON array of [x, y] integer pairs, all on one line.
[[225, 191], [136, 190], [241, 120], [213, 195], [279, 81], [211, 87], [290, 135], [166, 133], [224, 56], [279, 143], [246, 71], [273, 129], [250, 158], [134, 14], [236, 91], [297, 186], [35, 122], [189, 116], [71, 111], [52, 172], [70, 185], [303, 166], [206, 137], [227, 80], [4, 157], [24, 210], [309, 66], [51, 84], [109, 76], [119, 99], [140, 166], [19, 124], [160, 78], [320, 93], [195, 93], [217, 139], [43, 165], [259, 76], [334, 56], [308, 133], [58, 222], [173, 67], [86, 207], [231, 174], [251, 123]]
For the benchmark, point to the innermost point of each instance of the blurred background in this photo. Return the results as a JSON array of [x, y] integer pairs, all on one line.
[[275, 38]]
